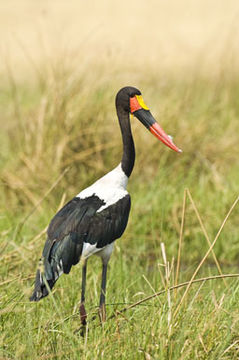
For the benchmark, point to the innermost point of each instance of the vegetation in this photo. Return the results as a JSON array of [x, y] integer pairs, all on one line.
[[58, 134]]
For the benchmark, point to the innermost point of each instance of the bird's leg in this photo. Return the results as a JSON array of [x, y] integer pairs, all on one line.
[[83, 314], [102, 311]]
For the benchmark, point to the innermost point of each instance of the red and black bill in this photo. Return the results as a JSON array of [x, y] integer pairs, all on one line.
[[141, 112]]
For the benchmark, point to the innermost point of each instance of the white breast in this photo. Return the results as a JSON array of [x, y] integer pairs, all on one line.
[[110, 188]]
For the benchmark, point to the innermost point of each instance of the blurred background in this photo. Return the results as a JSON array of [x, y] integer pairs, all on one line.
[[61, 65], [165, 35]]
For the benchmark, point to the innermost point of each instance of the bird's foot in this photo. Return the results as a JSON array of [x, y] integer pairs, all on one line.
[[83, 315], [102, 313]]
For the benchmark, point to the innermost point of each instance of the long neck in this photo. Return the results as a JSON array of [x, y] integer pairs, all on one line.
[[128, 157]]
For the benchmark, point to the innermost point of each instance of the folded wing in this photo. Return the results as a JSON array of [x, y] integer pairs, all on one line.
[[78, 222]]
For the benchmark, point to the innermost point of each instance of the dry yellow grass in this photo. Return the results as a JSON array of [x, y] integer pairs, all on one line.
[[61, 63], [165, 35]]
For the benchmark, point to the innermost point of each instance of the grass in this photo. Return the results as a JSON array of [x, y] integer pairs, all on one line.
[[50, 152], [58, 134]]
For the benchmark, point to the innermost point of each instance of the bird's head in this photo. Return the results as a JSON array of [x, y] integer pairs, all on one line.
[[130, 100]]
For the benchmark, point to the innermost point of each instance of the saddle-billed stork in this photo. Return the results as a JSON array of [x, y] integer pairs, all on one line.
[[91, 222]]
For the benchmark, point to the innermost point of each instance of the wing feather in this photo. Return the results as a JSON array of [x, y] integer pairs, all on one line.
[[78, 222]]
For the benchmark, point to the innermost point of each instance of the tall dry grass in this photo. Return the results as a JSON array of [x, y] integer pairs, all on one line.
[[61, 66]]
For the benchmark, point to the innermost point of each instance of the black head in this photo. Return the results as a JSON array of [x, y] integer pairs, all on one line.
[[123, 97], [129, 100]]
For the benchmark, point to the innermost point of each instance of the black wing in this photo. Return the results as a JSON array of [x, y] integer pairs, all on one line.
[[80, 219], [74, 217], [76, 223]]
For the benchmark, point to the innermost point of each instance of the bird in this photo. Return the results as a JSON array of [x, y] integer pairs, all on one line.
[[90, 223]]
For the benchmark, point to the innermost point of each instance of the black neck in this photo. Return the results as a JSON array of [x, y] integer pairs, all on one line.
[[128, 157]]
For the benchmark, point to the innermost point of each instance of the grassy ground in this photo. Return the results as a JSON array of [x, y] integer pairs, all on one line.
[[58, 134]]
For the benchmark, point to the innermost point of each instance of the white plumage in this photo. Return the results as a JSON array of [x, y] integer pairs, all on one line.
[[110, 188]]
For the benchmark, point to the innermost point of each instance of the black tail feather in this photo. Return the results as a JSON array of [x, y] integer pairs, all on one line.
[[47, 273], [40, 289], [57, 258]]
